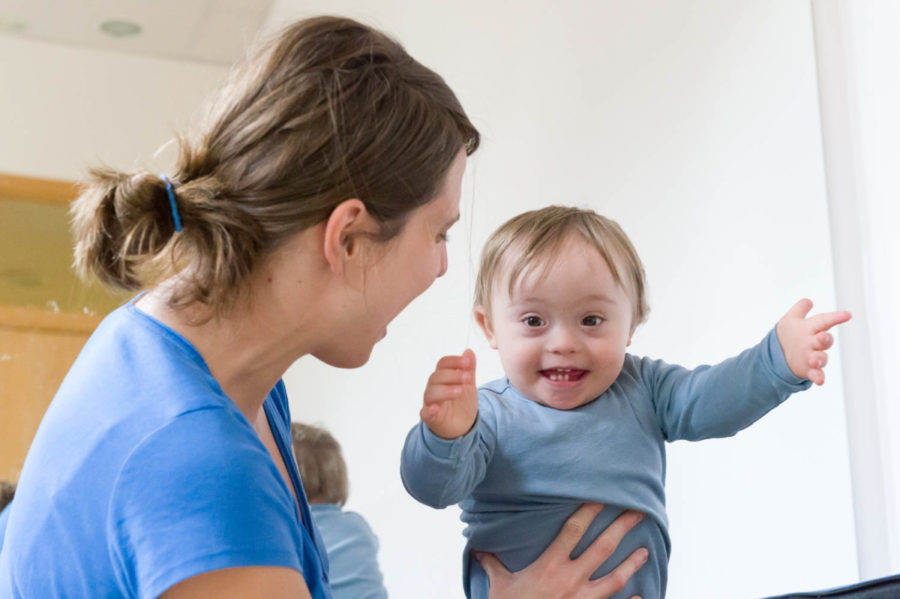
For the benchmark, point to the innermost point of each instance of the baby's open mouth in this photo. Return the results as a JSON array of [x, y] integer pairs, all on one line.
[[564, 374]]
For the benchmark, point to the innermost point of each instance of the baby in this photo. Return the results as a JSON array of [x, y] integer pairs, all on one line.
[[559, 293]]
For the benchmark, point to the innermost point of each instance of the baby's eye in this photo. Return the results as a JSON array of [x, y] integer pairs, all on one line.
[[592, 320], [533, 321], [444, 237]]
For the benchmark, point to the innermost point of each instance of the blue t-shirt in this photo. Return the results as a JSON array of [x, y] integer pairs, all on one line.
[[144, 473], [352, 553]]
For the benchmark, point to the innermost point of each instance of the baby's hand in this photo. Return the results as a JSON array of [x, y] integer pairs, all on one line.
[[451, 399], [804, 340]]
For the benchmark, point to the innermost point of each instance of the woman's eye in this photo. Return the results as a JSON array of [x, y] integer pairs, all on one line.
[[533, 321], [591, 321]]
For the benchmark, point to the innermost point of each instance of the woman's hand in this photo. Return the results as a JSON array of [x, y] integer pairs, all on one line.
[[450, 405], [555, 575]]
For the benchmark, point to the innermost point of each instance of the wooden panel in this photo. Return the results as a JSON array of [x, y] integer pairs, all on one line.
[[17, 317], [33, 363], [37, 190], [46, 313]]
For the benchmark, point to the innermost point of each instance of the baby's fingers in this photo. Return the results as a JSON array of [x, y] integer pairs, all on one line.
[[823, 341], [824, 321], [818, 360], [446, 376], [466, 361], [817, 376], [441, 393], [800, 309]]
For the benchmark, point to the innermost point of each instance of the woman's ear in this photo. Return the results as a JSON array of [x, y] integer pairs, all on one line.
[[345, 226], [484, 322]]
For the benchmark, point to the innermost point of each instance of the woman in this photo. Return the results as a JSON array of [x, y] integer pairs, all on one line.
[[309, 212]]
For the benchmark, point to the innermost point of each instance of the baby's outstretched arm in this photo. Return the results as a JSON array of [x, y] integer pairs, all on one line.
[[804, 340], [451, 399]]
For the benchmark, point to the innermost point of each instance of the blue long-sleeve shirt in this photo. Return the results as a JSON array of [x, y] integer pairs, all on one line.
[[524, 468], [352, 552]]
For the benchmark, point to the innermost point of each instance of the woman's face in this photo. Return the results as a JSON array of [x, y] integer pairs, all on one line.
[[401, 269]]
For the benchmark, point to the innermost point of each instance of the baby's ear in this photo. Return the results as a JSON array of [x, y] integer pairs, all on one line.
[[481, 317], [630, 334]]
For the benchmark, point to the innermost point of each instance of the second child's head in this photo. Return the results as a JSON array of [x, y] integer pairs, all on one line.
[[322, 467], [559, 293]]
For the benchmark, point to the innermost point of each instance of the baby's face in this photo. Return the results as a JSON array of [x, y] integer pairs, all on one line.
[[562, 333]]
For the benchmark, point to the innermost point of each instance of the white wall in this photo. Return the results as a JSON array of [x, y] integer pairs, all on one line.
[[858, 57], [694, 124], [65, 108]]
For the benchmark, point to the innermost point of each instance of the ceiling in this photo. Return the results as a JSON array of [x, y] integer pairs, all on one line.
[[212, 31]]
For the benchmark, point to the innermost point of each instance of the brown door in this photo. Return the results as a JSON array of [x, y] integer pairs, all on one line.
[[46, 312]]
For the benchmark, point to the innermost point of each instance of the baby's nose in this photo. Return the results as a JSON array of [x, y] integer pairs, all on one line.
[[562, 341]]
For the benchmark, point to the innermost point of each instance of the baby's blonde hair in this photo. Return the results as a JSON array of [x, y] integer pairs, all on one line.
[[530, 238], [322, 467]]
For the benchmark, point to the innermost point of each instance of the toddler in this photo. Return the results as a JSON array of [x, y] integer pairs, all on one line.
[[351, 545], [559, 294]]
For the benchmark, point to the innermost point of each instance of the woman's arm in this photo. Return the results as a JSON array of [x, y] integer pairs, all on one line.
[[253, 582], [554, 575]]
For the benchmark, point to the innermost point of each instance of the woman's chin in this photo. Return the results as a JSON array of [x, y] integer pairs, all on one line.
[[345, 359]]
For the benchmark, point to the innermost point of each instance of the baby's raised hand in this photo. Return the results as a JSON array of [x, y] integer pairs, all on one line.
[[451, 399], [804, 340]]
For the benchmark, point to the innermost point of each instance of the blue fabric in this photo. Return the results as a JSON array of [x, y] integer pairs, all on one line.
[[525, 468], [143, 473], [352, 553], [4, 518], [879, 588]]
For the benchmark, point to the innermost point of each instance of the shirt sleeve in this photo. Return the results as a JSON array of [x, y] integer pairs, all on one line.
[[440, 472], [720, 400], [199, 494]]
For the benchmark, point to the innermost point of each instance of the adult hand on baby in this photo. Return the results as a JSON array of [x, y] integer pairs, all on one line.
[[804, 340], [451, 399], [554, 575]]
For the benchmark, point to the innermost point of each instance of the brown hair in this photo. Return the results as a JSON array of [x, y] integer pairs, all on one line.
[[328, 110], [322, 467], [535, 236], [7, 492]]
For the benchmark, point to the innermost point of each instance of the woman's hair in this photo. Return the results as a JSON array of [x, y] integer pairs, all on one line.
[[322, 468], [328, 110], [533, 238], [7, 492]]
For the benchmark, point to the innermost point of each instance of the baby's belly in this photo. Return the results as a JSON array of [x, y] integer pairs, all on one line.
[[519, 537]]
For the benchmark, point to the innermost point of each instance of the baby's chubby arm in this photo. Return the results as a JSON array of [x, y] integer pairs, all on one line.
[[443, 458], [805, 340], [720, 400]]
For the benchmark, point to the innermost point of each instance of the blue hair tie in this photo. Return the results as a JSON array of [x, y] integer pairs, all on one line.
[[172, 206]]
